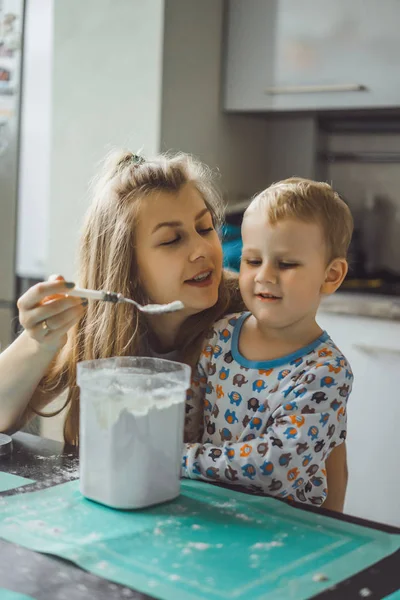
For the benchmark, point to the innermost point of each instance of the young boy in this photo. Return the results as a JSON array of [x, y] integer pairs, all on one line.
[[273, 385]]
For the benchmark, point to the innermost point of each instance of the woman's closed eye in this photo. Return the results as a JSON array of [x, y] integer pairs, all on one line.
[[171, 242], [178, 238]]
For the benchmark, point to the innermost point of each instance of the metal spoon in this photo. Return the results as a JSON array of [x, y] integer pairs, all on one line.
[[155, 309]]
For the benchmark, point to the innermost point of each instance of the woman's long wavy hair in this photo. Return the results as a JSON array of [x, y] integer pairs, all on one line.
[[107, 261]]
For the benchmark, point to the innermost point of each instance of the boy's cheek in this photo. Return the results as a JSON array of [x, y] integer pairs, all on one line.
[[244, 284]]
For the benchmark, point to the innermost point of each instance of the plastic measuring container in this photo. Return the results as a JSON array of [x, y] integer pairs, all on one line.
[[132, 414]]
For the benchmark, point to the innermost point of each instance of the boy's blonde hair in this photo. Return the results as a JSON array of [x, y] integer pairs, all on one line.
[[108, 262], [309, 201]]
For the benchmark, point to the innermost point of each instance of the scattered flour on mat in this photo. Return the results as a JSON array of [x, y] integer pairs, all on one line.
[[91, 537], [228, 504], [365, 592], [254, 557], [166, 522], [266, 545], [243, 517], [35, 523], [254, 561], [103, 564], [196, 527], [198, 545], [178, 508], [173, 577], [320, 577]]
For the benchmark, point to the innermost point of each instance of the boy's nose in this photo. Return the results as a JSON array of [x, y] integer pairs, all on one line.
[[266, 274]]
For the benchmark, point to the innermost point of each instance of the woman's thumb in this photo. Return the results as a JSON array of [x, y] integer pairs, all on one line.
[[56, 278]]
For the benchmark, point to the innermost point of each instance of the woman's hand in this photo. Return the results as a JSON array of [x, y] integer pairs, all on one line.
[[46, 313]]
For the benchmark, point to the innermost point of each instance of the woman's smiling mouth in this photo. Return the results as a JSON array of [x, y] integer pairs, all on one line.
[[202, 279]]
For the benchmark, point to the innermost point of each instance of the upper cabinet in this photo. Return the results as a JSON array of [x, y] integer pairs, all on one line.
[[286, 55]]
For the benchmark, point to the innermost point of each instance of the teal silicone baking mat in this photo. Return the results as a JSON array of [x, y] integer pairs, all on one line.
[[8, 481], [10, 595], [210, 543]]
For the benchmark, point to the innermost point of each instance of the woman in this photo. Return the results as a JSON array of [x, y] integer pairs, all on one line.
[[151, 233]]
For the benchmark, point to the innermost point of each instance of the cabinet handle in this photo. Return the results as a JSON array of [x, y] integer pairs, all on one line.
[[316, 89], [369, 349]]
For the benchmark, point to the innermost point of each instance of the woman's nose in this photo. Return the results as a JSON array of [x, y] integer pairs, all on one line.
[[199, 248]]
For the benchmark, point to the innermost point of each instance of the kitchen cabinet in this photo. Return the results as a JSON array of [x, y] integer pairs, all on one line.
[[287, 55], [372, 346]]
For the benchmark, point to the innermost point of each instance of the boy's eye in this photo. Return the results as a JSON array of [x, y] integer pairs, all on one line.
[[207, 230], [287, 265]]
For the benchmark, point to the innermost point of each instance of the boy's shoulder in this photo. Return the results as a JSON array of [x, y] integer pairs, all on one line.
[[224, 327], [327, 358], [329, 350], [323, 349]]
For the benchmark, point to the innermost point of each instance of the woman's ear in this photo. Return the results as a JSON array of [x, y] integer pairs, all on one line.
[[334, 275]]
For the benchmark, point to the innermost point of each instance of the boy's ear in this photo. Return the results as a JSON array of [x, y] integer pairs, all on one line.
[[334, 275]]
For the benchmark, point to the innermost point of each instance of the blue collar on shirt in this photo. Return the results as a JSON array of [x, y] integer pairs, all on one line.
[[269, 364]]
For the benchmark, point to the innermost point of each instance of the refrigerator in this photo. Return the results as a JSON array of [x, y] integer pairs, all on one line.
[[11, 28]]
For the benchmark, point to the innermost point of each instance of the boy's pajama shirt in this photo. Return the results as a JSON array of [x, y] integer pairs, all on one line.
[[266, 425]]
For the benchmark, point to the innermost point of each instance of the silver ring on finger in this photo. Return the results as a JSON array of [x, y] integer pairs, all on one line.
[[45, 327]]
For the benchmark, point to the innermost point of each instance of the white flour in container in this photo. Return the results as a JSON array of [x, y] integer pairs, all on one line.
[[131, 444]]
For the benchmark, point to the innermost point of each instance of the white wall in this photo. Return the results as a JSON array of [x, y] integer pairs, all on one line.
[[192, 118], [35, 149], [144, 75], [106, 92]]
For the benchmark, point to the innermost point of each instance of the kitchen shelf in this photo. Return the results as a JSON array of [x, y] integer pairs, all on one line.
[[360, 157]]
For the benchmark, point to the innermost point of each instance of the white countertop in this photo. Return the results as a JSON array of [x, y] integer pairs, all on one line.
[[362, 305]]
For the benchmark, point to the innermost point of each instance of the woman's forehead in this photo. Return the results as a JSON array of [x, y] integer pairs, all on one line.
[[160, 206]]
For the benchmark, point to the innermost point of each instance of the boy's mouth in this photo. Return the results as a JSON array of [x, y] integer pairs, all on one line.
[[268, 297]]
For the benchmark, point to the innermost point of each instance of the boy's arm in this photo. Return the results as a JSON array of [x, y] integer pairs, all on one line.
[[337, 475], [298, 438]]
